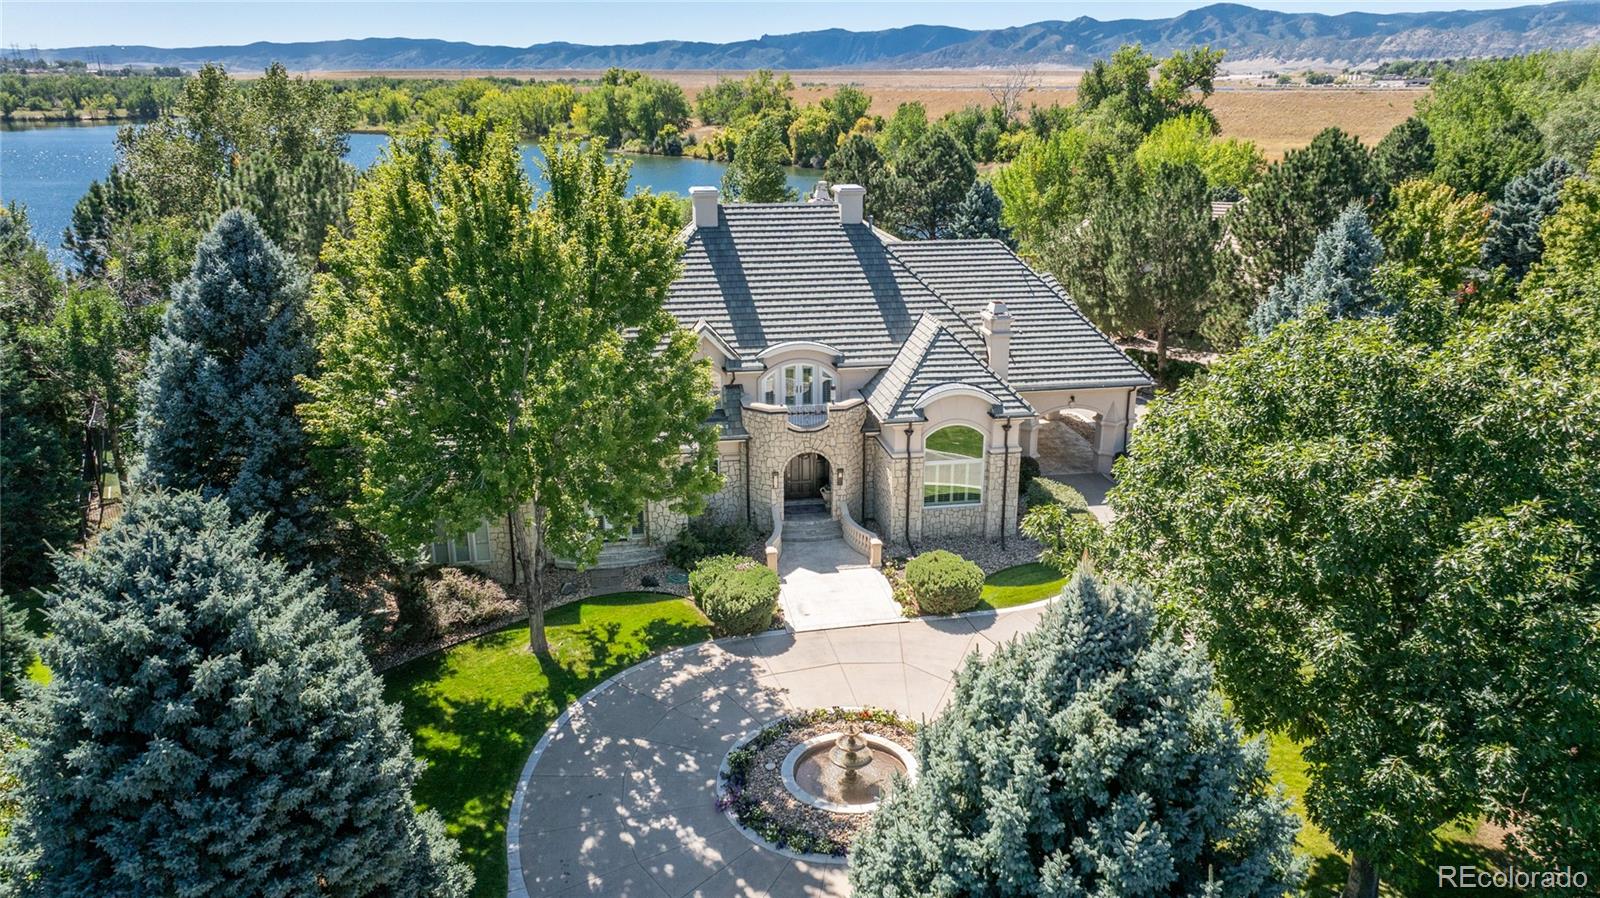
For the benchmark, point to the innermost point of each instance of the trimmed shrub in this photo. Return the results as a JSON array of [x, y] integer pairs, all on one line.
[[1027, 472], [944, 583], [1043, 491], [1067, 536], [446, 600], [738, 593], [705, 537]]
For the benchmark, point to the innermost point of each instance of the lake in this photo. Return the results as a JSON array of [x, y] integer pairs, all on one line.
[[49, 167]]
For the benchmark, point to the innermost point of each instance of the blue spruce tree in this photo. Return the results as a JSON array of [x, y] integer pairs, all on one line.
[[1337, 278], [211, 729], [1090, 757], [1513, 238], [217, 403], [978, 216]]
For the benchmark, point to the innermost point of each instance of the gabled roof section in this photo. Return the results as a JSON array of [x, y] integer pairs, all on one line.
[[782, 272], [930, 359], [1053, 345]]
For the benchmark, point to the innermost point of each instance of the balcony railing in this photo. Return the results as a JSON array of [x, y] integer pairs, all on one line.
[[808, 416]]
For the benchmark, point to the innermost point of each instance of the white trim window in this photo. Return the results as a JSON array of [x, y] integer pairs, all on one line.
[[800, 385], [468, 548], [952, 467]]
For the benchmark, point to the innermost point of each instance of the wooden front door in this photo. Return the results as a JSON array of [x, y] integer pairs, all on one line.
[[805, 476]]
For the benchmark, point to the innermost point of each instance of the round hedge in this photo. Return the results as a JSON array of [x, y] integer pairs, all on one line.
[[944, 583], [737, 593]]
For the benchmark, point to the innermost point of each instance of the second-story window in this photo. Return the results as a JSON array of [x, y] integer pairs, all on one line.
[[799, 385]]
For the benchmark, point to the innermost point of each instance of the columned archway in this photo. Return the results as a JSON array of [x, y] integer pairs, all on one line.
[[1066, 441]]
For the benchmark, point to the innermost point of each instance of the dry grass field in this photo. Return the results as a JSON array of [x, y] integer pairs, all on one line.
[[1277, 119]]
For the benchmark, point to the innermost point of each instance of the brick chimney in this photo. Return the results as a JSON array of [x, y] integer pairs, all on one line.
[[851, 199], [704, 202], [996, 328]]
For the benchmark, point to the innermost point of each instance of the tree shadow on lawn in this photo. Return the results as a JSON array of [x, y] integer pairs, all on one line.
[[476, 711], [1416, 876]]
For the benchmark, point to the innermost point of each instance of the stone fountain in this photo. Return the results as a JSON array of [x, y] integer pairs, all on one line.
[[848, 772]]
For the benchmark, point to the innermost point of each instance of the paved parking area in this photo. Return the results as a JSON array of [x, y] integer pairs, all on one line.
[[619, 797]]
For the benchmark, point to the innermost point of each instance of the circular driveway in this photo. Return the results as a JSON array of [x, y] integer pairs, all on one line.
[[619, 797]]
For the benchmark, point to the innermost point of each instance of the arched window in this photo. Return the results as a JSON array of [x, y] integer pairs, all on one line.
[[799, 385], [952, 469]]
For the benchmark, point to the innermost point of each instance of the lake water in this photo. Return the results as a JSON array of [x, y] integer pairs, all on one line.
[[48, 168]]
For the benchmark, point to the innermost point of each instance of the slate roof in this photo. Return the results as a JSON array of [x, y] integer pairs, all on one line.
[[1053, 345], [772, 273], [780, 272], [932, 357]]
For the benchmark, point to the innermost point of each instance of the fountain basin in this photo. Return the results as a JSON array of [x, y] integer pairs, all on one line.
[[811, 776]]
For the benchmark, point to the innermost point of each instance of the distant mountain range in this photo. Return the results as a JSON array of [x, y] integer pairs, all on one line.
[[1247, 34]]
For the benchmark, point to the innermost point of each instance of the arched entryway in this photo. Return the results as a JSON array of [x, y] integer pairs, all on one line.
[[1065, 441], [806, 476]]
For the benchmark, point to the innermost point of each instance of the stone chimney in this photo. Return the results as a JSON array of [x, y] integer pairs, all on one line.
[[851, 199], [704, 202], [996, 328]]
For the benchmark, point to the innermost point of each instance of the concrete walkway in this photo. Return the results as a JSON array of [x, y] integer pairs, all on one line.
[[1093, 487], [827, 584], [619, 797]]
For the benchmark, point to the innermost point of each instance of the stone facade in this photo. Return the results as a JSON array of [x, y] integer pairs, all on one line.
[[775, 440]]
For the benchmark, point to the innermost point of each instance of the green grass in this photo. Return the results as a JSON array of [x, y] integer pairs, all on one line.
[[1452, 844], [475, 711], [1020, 585]]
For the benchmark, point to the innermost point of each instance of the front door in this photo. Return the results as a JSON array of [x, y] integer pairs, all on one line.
[[805, 477]]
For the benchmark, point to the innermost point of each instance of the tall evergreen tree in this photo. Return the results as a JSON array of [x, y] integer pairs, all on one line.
[[929, 177], [1090, 757], [1143, 258], [756, 173], [16, 654], [211, 729], [1513, 239], [857, 161], [38, 472], [979, 216], [1404, 153], [295, 200], [1272, 232], [217, 403], [1336, 279]]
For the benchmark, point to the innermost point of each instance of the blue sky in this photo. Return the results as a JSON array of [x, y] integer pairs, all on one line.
[[26, 23]]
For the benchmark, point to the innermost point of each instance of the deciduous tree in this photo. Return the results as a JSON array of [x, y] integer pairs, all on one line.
[[211, 729], [1089, 757], [480, 355], [1393, 559], [756, 173], [1433, 230]]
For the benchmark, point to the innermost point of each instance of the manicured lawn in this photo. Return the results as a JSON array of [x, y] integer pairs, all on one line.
[[476, 710], [1020, 585], [1452, 844]]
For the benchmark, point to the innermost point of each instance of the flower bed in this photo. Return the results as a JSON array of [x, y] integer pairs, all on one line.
[[753, 789]]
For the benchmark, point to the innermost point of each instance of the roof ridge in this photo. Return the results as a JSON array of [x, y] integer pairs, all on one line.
[[890, 248]]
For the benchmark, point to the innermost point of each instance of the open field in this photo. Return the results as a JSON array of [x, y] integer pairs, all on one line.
[[1277, 119]]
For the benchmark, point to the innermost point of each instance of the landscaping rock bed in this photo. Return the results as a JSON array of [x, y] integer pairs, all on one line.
[[753, 788]]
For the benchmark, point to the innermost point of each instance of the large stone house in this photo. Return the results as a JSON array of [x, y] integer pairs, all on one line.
[[892, 385]]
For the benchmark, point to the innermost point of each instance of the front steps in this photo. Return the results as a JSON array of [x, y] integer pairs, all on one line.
[[809, 522]]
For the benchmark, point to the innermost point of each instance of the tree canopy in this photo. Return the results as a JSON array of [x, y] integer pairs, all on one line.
[[480, 355], [756, 174], [1389, 547], [1337, 279], [210, 729], [217, 402], [1089, 757]]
